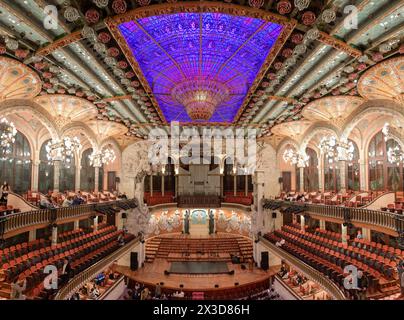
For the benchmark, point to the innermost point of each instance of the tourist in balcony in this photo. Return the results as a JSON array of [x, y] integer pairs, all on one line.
[[67, 202], [17, 288], [46, 203], [66, 271], [362, 286], [5, 189]]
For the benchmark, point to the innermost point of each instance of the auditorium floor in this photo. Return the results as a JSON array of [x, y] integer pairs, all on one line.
[[153, 273]]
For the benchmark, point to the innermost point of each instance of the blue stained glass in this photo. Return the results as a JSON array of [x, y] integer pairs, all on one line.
[[172, 48]]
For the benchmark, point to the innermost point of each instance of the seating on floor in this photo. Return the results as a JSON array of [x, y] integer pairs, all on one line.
[[28, 260], [325, 252]]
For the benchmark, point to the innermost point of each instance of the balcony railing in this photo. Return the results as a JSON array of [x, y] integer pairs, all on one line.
[[384, 219], [330, 287], [90, 273], [16, 221]]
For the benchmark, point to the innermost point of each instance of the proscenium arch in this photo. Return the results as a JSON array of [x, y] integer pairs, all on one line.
[[14, 106]]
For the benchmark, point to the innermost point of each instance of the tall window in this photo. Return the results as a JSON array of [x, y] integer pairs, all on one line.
[[311, 172], [46, 171], [169, 177], [87, 172], [101, 179], [352, 170], [67, 176], [228, 178], [332, 181], [16, 167], [383, 175]]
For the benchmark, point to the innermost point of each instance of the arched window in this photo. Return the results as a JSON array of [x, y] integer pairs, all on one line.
[[332, 180], [384, 175], [16, 167], [311, 172], [87, 172], [67, 176], [352, 170], [46, 171]]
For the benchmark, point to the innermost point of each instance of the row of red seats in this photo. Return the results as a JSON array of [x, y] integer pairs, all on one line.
[[70, 234], [18, 250], [384, 264], [18, 265], [81, 258]]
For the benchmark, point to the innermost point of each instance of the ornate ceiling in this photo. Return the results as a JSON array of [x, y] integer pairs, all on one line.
[[334, 109], [66, 109], [280, 72], [384, 81], [17, 80]]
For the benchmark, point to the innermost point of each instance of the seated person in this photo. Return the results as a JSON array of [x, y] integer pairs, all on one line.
[[77, 201], [67, 202], [46, 203]]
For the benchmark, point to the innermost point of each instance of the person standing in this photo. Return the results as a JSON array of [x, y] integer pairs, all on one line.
[[5, 189]]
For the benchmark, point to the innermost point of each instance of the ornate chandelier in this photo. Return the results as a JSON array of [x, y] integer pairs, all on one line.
[[7, 135], [200, 97], [63, 150], [394, 154], [336, 151], [98, 158], [293, 157]]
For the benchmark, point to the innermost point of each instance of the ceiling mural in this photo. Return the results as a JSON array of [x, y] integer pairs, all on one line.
[[17, 81], [204, 63], [142, 64], [384, 81]]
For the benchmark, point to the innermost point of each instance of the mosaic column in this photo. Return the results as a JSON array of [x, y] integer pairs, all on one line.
[[362, 174], [342, 174], [302, 223], [96, 178], [35, 175], [95, 223], [54, 235], [151, 186], [77, 178], [56, 173], [344, 232], [301, 175], [162, 185], [235, 185]]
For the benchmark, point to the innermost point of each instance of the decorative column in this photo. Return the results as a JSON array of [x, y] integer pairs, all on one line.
[[235, 185], [301, 175], [54, 235], [162, 185], [56, 174], [96, 178], [246, 185], [302, 223], [76, 224], [221, 184], [322, 224], [342, 174], [366, 234], [176, 186], [151, 185], [259, 193], [95, 223], [32, 235], [35, 175], [362, 175], [77, 179], [344, 232]]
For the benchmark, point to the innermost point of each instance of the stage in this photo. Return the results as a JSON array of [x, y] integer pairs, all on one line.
[[153, 273], [203, 267]]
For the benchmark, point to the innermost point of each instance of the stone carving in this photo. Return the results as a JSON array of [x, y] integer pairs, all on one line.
[[138, 220]]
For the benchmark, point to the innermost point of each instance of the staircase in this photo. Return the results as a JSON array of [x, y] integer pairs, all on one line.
[[152, 246]]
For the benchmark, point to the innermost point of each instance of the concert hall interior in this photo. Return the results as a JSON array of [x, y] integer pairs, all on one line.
[[201, 150]]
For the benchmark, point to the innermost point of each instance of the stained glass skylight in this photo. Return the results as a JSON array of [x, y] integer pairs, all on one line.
[[224, 50]]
